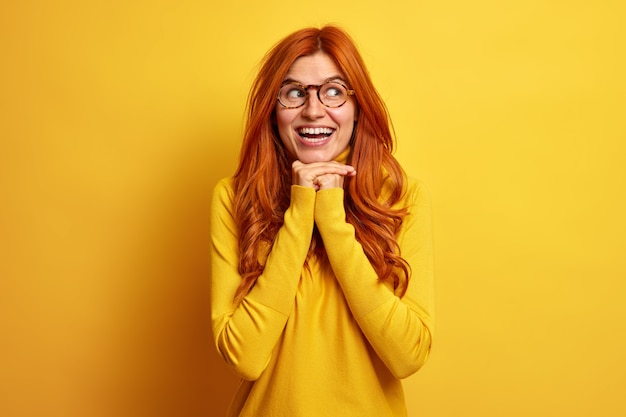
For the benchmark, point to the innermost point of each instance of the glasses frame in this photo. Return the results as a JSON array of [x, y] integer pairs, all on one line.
[[318, 88]]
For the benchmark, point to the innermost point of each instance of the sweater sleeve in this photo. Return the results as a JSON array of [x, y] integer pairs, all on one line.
[[246, 334], [399, 329]]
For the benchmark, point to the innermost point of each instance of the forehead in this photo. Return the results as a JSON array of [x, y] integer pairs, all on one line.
[[314, 69]]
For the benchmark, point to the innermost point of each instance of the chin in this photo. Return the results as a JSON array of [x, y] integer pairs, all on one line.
[[309, 156], [309, 159]]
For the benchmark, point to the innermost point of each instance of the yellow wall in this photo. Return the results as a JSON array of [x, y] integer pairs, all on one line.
[[118, 117]]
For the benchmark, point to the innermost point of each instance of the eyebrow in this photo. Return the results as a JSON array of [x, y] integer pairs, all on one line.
[[333, 78]]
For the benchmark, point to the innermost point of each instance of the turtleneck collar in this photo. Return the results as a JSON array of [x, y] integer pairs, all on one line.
[[342, 158]]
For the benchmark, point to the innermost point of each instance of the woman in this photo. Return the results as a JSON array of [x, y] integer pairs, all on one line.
[[322, 288]]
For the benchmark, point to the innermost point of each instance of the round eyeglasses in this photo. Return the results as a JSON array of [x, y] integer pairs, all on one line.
[[331, 94]]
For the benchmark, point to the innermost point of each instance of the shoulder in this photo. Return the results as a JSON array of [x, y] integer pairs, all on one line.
[[224, 185], [414, 185], [223, 192], [417, 197], [416, 189]]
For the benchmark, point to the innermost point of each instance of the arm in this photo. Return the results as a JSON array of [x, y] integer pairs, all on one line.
[[246, 334], [399, 329]]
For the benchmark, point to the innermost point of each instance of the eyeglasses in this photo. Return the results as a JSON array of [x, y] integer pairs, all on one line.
[[331, 94]]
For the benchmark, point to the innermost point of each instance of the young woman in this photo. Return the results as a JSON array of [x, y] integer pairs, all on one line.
[[322, 276]]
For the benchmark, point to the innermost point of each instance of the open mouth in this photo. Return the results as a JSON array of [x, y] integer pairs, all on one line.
[[315, 134]]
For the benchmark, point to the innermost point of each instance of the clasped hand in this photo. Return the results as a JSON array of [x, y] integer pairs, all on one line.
[[321, 175]]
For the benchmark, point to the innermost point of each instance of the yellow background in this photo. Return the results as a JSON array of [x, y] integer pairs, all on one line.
[[117, 118]]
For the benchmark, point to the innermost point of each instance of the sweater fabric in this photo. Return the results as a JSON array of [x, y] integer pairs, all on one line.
[[329, 339]]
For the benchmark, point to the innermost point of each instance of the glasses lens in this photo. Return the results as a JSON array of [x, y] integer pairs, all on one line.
[[333, 94], [292, 95]]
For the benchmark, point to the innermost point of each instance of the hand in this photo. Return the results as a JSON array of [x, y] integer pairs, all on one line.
[[321, 175]]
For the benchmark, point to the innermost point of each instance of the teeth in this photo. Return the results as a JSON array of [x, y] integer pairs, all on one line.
[[313, 140], [316, 130]]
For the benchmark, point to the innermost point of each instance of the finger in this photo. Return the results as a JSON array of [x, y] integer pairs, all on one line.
[[305, 174], [322, 164], [325, 168], [328, 181]]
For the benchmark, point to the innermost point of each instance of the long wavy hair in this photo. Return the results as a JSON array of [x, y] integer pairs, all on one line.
[[263, 178]]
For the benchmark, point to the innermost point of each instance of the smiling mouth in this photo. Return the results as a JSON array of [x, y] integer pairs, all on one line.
[[315, 134]]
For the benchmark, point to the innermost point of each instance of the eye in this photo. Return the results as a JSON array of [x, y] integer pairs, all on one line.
[[293, 92], [333, 91]]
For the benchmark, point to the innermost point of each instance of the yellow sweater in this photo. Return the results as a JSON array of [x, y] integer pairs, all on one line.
[[323, 341]]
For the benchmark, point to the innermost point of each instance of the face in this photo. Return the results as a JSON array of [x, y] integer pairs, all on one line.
[[314, 132]]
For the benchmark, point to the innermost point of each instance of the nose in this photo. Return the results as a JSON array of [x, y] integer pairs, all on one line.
[[313, 107]]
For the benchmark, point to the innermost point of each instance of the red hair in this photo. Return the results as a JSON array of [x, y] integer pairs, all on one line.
[[262, 181]]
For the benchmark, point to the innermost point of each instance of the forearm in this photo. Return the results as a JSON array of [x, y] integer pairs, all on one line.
[[247, 333], [399, 330]]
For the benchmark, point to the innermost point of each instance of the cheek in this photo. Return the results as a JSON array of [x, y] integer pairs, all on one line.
[[345, 118], [348, 113], [282, 123], [282, 117]]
